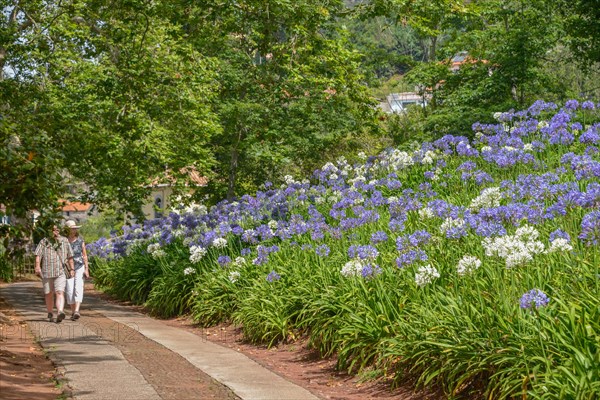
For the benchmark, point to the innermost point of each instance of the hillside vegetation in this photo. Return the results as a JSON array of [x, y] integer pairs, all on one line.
[[472, 265]]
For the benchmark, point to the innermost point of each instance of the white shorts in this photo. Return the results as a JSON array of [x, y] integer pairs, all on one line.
[[54, 284], [74, 291]]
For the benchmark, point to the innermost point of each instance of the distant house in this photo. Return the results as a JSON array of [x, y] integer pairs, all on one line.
[[162, 189], [399, 103], [463, 58], [77, 211]]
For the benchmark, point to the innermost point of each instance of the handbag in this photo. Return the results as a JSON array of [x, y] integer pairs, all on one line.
[[65, 268]]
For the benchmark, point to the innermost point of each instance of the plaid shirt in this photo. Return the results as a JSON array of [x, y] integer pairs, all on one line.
[[51, 255]]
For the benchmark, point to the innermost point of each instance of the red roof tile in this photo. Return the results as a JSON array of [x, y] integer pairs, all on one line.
[[75, 206]]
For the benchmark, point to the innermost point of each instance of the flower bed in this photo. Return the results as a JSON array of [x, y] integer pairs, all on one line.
[[469, 264]]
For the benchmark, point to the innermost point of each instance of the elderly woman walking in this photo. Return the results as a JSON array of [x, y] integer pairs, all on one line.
[[75, 283]]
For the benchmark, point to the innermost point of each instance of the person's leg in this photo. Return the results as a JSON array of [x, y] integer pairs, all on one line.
[[49, 301], [48, 284], [70, 293], [59, 290], [78, 295]]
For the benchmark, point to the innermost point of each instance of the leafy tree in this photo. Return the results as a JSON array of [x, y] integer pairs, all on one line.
[[106, 93], [428, 18], [387, 47], [581, 20], [291, 91], [508, 43]]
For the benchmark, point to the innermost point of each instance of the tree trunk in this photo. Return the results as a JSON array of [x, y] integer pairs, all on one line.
[[233, 166], [433, 48]]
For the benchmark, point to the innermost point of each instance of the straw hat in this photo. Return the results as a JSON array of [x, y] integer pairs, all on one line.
[[71, 224]]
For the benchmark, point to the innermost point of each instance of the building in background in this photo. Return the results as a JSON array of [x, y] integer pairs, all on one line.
[[162, 189], [77, 211], [399, 103]]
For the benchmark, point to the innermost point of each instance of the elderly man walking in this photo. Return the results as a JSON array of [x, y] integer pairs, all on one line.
[[52, 256]]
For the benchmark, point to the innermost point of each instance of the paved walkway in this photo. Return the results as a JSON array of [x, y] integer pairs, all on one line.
[[96, 370]]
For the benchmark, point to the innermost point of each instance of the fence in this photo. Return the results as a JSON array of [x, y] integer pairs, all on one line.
[[25, 267]]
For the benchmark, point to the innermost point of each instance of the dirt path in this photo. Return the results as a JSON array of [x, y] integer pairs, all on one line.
[[25, 371]]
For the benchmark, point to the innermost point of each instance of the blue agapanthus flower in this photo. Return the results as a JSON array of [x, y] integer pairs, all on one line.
[[273, 276], [378, 237], [322, 250], [590, 229], [535, 298], [224, 260]]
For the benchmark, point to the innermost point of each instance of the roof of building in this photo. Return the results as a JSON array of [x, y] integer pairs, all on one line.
[[75, 206]]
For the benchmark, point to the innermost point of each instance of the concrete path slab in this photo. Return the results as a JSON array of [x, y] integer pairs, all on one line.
[[89, 362], [94, 368]]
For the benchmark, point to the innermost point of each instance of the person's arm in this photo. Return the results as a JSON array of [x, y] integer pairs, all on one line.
[[38, 258], [71, 266], [70, 262], [38, 269], [86, 271]]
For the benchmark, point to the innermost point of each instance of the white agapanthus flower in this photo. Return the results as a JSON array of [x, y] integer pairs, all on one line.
[[560, 245], [528, 147], [234, 276], [535, 247], [333, 177], [517, 249], [196, 209], [486, 149], [400, 160], [426, 213], [327, 167], [189, 270], [272, 224], [178, 232], [527, 233], [358, 178], [155, 251], [219, 243], [158, 253], [352, 268], [429, 157], [239, 261], [518, 258], [360, 171], [489, 197], [426, 274], [362, 155], [196, 253], [468, 264], [450, 223]]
